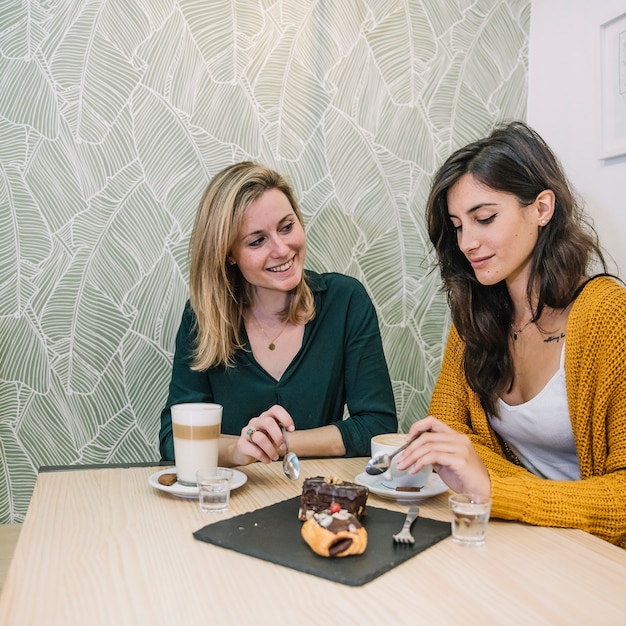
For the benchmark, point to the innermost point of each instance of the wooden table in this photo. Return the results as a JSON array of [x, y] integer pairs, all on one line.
[[101, 546], [9, 534]]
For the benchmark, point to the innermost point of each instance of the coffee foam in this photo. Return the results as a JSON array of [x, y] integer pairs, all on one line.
[[197, 414], [390, 439]]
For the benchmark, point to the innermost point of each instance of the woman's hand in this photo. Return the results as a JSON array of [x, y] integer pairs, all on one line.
[[262, 439], [451, 454]]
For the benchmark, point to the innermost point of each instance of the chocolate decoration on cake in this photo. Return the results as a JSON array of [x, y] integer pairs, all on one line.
[[319, 493]]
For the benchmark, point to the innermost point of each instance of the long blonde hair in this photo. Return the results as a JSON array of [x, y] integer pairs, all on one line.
[[219, 294]]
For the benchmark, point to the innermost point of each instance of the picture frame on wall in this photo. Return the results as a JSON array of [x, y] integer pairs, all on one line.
[[613, 60]]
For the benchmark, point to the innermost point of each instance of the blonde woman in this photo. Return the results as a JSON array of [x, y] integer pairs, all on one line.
[[273, 343]]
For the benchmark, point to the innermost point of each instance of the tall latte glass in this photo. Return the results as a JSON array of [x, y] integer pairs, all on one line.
[[196, 428]]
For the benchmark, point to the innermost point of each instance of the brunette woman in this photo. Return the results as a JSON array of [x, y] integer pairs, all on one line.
[[530, 404]]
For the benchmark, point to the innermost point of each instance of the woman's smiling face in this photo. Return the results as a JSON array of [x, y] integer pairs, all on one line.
[[270, 246], [494, 232]]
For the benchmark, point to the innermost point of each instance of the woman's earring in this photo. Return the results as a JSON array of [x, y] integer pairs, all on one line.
[[231, 261], [543, 222]]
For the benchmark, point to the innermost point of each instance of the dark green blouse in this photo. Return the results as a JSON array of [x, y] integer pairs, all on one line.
[[341, 362]]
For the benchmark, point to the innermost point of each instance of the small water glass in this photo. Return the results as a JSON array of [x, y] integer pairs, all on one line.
[[214, 489], [470, 517]]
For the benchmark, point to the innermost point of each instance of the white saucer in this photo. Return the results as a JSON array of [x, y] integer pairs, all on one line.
[[433, 487], [185, 491]]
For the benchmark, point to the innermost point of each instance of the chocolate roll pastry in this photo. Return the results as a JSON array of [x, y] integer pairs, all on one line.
[[335, 534]]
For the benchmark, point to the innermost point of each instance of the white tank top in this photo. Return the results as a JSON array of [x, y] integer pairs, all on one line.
[[539, 431]]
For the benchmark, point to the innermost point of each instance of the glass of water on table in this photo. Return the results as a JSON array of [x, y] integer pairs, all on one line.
[[214, 489], [470, 518]]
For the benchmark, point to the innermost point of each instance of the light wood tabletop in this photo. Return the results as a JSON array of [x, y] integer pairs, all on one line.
[[102, 546], [9, 534]]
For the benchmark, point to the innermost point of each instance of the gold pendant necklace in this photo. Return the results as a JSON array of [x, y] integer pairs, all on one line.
[[272, 342]]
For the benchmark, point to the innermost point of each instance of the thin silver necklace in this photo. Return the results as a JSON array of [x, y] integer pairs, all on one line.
[[518, 332], [272, 342]]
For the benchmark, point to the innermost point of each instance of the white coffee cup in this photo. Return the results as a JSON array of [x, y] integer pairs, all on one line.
[[395, 478], [196, 428]]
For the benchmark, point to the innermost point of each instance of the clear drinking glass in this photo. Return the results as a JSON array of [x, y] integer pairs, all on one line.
[[470, 517], [214, 489], [196, 431]]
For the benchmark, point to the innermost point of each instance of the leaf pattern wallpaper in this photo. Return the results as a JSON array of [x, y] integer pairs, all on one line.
[[114, 114]]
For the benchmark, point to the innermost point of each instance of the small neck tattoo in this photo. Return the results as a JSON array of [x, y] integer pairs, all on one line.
[[556, 338], [272, 342]]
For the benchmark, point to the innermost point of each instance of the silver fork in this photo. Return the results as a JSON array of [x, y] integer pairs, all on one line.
[[405, 536]]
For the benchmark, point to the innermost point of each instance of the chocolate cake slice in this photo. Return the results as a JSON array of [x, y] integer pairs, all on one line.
[[319, 493]]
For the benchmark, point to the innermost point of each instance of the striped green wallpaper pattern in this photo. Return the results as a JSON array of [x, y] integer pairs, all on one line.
[[114, 115]]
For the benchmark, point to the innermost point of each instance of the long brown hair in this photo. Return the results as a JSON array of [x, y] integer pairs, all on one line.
[[219, 294], [516, 160]]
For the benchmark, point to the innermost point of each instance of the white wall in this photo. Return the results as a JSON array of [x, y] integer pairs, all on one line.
[[564, 106]]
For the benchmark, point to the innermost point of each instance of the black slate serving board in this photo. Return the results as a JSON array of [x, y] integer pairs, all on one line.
[[273, 534]]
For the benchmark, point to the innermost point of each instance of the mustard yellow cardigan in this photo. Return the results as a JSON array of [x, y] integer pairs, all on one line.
[[595, 374]]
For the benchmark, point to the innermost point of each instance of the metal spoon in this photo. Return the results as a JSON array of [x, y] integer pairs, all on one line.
[[380, 464], [291, 462]]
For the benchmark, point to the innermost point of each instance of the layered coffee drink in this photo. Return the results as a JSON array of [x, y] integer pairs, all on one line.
[[196, 428]]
